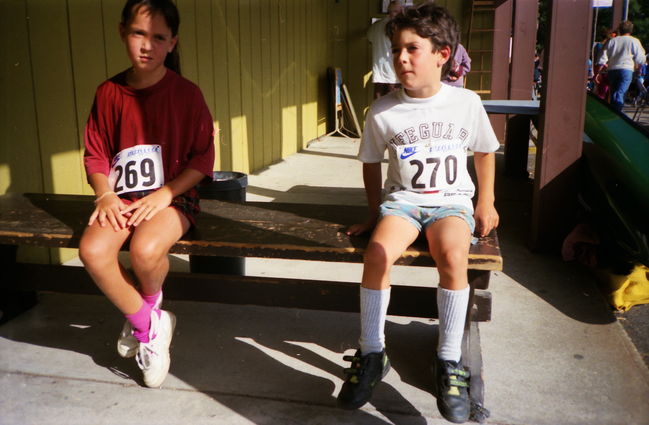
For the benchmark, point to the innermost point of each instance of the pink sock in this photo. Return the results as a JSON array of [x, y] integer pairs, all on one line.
[[152, 299], [141, 322]]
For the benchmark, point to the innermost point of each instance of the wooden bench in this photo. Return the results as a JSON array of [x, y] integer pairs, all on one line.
[[251, 229]]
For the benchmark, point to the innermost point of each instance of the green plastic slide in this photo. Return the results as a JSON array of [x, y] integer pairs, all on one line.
[[616, 187]]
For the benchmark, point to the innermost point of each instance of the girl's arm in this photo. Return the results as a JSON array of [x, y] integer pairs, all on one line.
[[372, 180], [150, 205], [486, 216]]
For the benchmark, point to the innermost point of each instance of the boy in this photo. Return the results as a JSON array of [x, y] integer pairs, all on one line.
[[427, 128]]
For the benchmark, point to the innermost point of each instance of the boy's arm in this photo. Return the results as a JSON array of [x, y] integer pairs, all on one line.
[[486, 216], [372, 179]]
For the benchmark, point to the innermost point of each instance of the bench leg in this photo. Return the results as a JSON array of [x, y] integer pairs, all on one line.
[[217, 265], [479, 279], [12, 301], [471, 350], [517, 141]]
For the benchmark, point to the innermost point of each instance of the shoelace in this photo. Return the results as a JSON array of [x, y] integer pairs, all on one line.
[[144, 355], [148, 349]]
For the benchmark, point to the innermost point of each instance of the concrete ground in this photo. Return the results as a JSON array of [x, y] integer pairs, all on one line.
[[553, 352]]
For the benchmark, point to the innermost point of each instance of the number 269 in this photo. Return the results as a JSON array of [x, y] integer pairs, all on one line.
[[131, 175]]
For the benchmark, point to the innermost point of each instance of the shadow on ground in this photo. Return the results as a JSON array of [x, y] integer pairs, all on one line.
[[236, 355]]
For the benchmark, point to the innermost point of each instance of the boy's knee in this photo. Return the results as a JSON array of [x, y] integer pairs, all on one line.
[[452, 259], [376, 256]]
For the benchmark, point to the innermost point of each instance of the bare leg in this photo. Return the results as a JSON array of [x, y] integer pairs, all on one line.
[[449, 240], [390, 238], [98, 251], [150, 247]]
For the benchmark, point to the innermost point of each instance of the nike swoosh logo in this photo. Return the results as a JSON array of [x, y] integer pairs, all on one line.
[[405, 155]]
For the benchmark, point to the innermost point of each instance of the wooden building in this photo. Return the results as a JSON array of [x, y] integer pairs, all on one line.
[[262, 67]]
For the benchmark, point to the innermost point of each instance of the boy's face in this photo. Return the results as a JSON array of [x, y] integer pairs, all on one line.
[[418, 67]]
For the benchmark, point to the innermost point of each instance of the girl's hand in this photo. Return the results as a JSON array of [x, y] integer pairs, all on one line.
[[359, 229], [486, 218], [147, 207], [109, 209]]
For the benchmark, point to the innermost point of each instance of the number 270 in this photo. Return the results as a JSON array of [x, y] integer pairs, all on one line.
[[450, 171]]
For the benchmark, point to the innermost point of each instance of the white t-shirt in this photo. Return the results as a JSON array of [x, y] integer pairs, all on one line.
[[623, 52], [427, 141], [382, 67]]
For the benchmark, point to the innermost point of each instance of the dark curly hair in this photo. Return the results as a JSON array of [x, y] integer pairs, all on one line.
[[428, 21]]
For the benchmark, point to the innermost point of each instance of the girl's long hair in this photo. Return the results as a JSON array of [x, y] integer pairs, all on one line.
[[167, 9]]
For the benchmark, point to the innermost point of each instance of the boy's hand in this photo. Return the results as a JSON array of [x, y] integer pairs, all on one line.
[[147, 207], [359, 229], [486, 218], [109, 209]]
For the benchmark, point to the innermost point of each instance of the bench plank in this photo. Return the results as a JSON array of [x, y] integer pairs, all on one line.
[[251, 229]]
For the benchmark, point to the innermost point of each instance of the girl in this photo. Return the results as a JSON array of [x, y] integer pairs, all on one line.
[[149, 142]]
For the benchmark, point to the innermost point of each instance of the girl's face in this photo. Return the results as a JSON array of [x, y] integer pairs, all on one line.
[[418, 67], [148, 39]]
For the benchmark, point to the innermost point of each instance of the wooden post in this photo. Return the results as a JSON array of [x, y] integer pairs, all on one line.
[[618, 9], [520, 85], [561, 122], [523, 46], [500, 62]]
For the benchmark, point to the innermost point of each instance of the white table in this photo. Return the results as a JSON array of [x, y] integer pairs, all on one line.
[[515, 107]]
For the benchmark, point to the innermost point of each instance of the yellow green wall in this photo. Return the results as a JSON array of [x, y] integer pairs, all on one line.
[[261, 65]]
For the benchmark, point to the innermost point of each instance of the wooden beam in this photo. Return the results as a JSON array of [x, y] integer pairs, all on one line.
[[410, 301], [561, 122]]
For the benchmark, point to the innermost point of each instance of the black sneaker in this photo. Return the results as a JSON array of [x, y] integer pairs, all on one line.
[[452, 386], [364, 373]]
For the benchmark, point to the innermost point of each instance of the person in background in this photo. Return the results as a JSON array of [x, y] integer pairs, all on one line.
[[600, 78], [639, 79], [383, 76], [621, 56], [460, 66], [536, 82]]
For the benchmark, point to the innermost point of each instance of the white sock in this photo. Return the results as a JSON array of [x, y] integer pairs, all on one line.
[[374, 309], [451, 306]]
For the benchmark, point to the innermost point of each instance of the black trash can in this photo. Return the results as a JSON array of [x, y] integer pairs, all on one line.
[[226, 186]]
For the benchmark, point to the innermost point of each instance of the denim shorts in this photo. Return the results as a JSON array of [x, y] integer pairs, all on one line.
[[421, 217]]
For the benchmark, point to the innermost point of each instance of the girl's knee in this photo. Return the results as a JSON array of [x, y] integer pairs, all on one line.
[[92, 252], [144, 253]]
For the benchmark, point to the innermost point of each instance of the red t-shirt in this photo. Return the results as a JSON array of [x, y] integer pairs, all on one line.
[[172, 113]]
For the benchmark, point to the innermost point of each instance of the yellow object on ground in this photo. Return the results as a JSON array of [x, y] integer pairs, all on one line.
[[629, 290]]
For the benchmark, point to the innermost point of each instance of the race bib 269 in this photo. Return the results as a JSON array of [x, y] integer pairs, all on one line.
[[137, 168]]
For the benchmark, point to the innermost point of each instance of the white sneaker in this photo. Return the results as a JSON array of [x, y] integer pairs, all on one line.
[[153, 356], [126, 342]]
